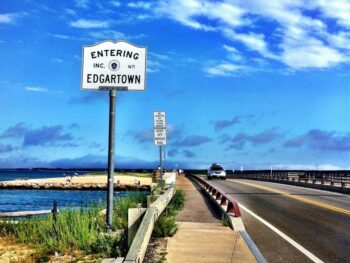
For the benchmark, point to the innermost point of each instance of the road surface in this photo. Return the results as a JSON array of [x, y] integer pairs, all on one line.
[[293, 224]]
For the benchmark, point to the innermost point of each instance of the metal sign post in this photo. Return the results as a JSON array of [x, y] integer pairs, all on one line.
[[160, 161], [111, 142], [113, 66], [159, 135]]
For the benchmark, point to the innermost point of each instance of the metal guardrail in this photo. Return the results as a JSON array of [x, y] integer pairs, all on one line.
[[333, 178], [226, 201], [326, 180]]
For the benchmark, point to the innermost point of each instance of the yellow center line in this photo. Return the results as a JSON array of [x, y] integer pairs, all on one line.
[[302, 199]]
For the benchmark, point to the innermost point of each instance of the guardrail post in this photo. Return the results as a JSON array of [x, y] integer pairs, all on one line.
[[55, 211]]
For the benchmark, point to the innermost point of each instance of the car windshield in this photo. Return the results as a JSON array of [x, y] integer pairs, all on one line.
[[216, 168]]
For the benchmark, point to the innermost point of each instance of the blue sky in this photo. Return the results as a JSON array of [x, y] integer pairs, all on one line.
[[253, 83]]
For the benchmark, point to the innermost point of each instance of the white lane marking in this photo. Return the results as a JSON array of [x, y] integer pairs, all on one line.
[[293, 186], [303, 250]]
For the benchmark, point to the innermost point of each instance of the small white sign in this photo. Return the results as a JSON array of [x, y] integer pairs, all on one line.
[[120, 65], [160, 136], [159, 120]]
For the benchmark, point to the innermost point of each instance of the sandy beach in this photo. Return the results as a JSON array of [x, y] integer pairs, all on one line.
[[96, 179], [80, 182]]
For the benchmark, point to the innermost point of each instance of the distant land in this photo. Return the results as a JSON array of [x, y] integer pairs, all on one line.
[[188, 170]]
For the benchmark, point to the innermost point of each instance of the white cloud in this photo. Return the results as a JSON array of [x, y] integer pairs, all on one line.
[[224, 70], [36, 89], [340, 40], [255, 42], [60, 36], [87, 24], [300, 33], [183, 11], [140, 4], [115, 3], [310, 53], [158, 56], [9, 18], [82, 3], [336, 9], [108, 34], [155, 61], [153, 66], [234, 54], [112, 35], [56, 60], [70, 12]]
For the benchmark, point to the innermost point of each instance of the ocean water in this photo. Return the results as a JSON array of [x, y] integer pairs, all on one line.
[[12, 175], [25, 200]]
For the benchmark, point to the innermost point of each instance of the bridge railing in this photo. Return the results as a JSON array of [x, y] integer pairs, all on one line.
[[340, 180], [227, 202]]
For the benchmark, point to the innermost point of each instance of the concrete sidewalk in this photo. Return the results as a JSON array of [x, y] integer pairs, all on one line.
[[201, 236]]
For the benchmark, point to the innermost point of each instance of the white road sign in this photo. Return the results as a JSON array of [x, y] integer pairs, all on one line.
[[159, 120], [118, 65], [160, 136]]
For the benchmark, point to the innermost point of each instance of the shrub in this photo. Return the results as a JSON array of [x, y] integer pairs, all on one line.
[[166, 224]]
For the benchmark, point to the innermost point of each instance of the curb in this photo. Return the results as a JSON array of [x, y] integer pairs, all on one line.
[[235, 219]]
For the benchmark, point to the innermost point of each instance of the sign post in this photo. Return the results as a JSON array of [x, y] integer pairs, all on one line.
[[111, 142], [113, 66], [159, 121]]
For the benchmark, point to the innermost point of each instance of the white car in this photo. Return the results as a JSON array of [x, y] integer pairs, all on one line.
[[216, 171]]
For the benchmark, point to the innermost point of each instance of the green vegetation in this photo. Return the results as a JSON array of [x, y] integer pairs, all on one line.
[[161, 259], [81, 231], [77, 231], [225, 220], [143, 175], [166, 224]]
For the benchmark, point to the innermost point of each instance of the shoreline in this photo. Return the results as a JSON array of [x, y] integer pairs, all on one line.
[[82, 182]]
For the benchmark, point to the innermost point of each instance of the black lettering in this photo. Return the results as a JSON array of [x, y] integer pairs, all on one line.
[[129, 54], [113, 79], [93, 54], [88, 78], [136, 56], [107, 80]]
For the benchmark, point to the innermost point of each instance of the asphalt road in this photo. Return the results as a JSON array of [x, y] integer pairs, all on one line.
[[318, 221]]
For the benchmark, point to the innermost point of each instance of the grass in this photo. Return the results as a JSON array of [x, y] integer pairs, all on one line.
[[166, 224], [76, 231]]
